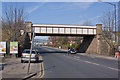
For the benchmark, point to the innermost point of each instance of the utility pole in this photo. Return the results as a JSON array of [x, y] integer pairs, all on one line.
[[114, 16], [31, 52]]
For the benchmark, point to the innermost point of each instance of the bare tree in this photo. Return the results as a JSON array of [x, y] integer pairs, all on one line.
[[12, 21], [108, 20]]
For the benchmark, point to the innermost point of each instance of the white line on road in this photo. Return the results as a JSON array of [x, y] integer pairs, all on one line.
[[91, 62], [113, 68], [75, 58], [87, 61]]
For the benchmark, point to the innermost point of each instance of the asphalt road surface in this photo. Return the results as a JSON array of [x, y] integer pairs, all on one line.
[[58, 64]]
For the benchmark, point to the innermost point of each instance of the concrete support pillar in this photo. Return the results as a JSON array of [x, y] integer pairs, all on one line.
[[99, 35], [28, 29]]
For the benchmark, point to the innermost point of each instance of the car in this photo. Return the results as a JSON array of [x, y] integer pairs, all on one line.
[[26, 56], [71, 51]]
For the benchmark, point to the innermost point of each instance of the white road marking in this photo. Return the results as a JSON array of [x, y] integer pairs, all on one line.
[[95, 64], [87, 61], [75, 58], [92, 57], [113, 68]]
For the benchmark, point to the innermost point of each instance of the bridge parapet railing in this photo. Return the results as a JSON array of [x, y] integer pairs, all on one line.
[[64, 30]]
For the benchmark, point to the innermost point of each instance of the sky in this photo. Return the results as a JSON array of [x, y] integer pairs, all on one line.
[[76, 13]]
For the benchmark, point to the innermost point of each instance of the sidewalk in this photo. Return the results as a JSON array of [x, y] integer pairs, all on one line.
[[13, 68], [98, 56]]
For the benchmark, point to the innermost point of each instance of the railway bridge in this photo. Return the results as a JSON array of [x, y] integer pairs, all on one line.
[[93, 40]]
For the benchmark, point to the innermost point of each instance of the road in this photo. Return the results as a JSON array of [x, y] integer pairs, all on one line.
[[58, 64]]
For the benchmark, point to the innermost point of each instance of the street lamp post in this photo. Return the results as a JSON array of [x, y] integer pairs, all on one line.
[[115, 17]]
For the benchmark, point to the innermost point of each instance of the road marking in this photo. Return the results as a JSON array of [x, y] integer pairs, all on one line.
[[76, 57], [91, 63], [42, 70], [87, 61], [92, 57], [113, 69], [95, 64], [102, 65]]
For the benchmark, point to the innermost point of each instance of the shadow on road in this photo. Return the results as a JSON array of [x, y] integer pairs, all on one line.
[[41, 52], [40, 61], [2, 66]]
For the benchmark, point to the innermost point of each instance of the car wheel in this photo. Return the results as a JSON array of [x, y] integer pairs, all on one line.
[[22, 61], [36, 61]]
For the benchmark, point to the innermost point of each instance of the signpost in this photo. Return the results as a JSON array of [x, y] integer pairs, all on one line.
[[32, 42]]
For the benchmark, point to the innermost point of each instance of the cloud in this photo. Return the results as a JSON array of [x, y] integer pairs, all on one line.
[[30, 10], [96, 18], [33, 9], [83, 5], [70, 6]]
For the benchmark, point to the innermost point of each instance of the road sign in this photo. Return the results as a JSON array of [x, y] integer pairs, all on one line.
[[21, 32]]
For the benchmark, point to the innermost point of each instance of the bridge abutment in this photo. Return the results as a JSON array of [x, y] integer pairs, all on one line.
[[28, 28], [28, 34], [98, 44]]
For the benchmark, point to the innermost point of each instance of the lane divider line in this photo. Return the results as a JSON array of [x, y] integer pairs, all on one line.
[[92, 63]]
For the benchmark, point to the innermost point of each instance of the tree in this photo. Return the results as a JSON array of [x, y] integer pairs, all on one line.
[[108, 19], [12, 21]]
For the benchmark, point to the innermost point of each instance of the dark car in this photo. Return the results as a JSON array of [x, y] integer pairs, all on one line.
[[71, 51]]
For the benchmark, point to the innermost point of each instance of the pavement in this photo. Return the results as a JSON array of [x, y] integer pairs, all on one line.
[[13, 68], [99, 56]]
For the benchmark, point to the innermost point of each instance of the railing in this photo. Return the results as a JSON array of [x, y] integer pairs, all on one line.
[[64, 30]]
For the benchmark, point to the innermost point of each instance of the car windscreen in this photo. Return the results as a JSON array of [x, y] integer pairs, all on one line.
[[72, 50], [33, 52]]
